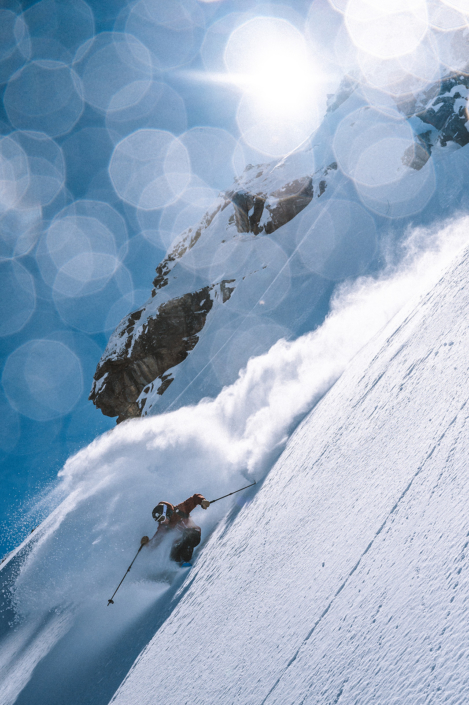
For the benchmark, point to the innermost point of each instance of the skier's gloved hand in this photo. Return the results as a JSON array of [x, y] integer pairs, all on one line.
[[205, 504]]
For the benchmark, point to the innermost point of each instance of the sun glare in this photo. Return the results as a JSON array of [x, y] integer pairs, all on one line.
[[270, 61]]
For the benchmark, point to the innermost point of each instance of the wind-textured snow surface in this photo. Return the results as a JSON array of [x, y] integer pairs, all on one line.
[[345, 579], [232, 625]]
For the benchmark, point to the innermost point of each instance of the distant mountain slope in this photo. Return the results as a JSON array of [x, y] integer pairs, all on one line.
[[345, 580]]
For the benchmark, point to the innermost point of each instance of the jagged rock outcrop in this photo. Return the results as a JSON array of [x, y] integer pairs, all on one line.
[[447, 112], [285, 203], [443, 107], [164, 341]]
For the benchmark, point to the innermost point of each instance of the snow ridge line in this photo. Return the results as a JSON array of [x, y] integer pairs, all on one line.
[[356, 566]]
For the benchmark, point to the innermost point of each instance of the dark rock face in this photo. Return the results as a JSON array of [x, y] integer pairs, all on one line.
[[249, 208], [445, 115], [243, 203], [416, 156], [448, 119], [164, 342], [286, 203], [292, 199]]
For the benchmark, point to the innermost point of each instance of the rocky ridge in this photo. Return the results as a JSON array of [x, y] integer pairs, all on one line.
[[145, 346]]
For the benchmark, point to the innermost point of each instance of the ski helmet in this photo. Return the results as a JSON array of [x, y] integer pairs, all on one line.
[[162, 511]]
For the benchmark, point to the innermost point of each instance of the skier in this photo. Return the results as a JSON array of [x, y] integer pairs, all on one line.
[[177, 519]]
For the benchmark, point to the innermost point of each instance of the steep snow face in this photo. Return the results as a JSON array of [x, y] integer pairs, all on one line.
[[345, 578], [263, 261], [58, 640]]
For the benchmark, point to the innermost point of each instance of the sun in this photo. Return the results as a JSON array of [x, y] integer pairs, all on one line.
[[270, 61], [282, 84]]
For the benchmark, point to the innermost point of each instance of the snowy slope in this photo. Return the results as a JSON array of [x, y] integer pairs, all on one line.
[[59, 643], [345, 578]]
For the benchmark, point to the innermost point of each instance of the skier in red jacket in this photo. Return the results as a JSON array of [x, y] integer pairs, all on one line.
[[177, 519]]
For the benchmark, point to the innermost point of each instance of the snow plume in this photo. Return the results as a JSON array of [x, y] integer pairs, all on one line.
[[109, 488]]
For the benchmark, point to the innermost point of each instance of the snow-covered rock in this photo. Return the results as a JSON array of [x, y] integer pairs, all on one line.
[[206, 265], [262, 263]]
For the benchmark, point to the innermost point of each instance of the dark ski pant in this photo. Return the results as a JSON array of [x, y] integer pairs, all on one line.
[[183, 547]]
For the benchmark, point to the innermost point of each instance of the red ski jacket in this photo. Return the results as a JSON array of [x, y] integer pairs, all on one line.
[[180, 516]]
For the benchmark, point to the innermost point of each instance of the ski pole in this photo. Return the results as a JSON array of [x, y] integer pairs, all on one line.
[[143, 543], [230, 493]]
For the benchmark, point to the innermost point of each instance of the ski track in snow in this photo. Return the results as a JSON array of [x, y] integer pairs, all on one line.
[[84, 547], [344, 580], [359, 562]]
